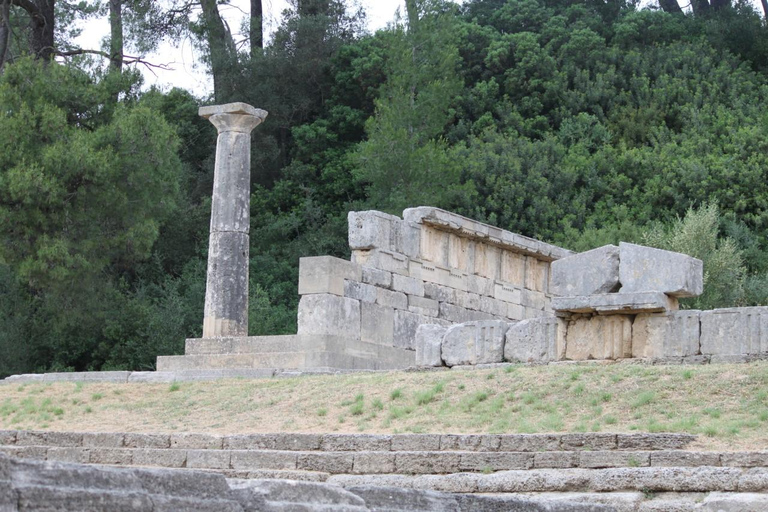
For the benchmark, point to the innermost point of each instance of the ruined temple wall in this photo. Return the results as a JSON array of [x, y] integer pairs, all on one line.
[[429, 267]]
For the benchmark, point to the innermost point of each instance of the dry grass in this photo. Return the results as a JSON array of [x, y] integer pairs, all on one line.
[[727, 405]]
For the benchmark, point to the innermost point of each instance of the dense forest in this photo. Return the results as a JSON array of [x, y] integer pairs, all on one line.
[[580, 123]]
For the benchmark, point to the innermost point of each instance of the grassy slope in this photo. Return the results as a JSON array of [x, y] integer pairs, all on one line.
[[726, 404]]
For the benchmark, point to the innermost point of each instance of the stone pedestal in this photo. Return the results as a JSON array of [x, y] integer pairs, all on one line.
[[226, 292]]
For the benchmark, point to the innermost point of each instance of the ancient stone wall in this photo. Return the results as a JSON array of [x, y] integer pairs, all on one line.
[[430, 267]]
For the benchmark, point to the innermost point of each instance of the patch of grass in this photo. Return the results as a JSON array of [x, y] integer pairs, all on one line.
[[395, 394], [644, 398], [322, 412], [490, 376], [462, 387], [97, 396], [687, 374], [356, 409], [428, 396], [712, 412], [610, 420], [175, 386], [377, 404]]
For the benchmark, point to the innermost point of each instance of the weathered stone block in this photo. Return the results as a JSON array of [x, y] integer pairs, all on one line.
[[474, 343], [196, 441], [329, 314], [533, 299], [356, 442], [587, 273], [599, 337], [512, 268], [372, 463], [734, 331], [429, 340], [487, 261], [134, 440], [645, 269], [415, 442], [667, 335], [536, 274], [613, 459], [427, 463], [360, 291], [406, 325], [251, 459], [480, 285], [470, 442], [439, 293], [226, 295], [329, 462], [461, 252], [382, 260], [617, 303], [508, 293], [468, 300], [423, 306], [372, 230], [160, 457], [208, 459], [539, 340], [390, 299], [459, 315], [326, 274], [407, 285], [515, 312], [377, 324], [495, 461], [376, 277], [493, 307], [434, 246]]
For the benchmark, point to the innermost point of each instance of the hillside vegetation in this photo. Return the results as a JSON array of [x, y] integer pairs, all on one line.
[[579, 123]]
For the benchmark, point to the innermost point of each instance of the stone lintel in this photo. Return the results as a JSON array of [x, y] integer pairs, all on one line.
[[616, 303], [467, 228]]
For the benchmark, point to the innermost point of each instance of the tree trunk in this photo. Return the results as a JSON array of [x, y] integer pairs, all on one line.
[[765, 8], [5, 30], [222, 52], [670, 6], [413, 14], [700, 7], [116, 35], [257, 27], [41, 25]]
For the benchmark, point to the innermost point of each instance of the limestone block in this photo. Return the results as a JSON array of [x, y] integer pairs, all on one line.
[[666, 335], [513, 268], [515, 312], [329, 314], [461, 252], [407, 285], [508, 293], [533, 299], [599, 337], [406, 324], [377, 324], [443, 276], [381, 260], [396, 300], [645, 269], [326, 274], [360, 291], [468, 300], [493, 307], [423, 306], [434, 246], [539, 340], [487, 260], [617, 303], [480, 285], [587, 273], [734, 331], [372, 230], [439, 293], [458, 315], [536, 274], [376, 277], [429, 340], [226, 296], [477, 342]]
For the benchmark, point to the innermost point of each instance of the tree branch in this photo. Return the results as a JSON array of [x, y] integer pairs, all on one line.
[[127, 59]]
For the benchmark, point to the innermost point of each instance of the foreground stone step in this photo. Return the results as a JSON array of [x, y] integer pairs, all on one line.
[[650, 479], [354, 442]]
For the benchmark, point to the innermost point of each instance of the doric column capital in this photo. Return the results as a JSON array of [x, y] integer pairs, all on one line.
[[233, 117]]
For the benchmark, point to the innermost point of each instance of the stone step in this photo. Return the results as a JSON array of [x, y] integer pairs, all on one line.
[[357, 442], [380, 462], [645, 480]]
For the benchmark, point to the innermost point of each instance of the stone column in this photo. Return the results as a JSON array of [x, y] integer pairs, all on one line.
[[226, 290]]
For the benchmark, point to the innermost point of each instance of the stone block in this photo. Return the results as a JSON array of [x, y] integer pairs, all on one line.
[[208, 459], [372, 230], [7, 437], [434, 246], [252, 459], [667, 335], [419, 463], [468, 300], [405, 328], [508, 293], [63, 439], [328, 462], [588, 441], [539, 340], [56, 499], [103, 440], [470, 442], [587, 273], [439, 293], [329, 314], [360, 291], [377, 324], [76, 455], [617, 303], [111, 456], [415, 442], [613, 459], [480, 285], [423, 306], [159, 457], [132, 440], [474, 343], [390, 299], [734, 331], [196, 441], [555, 460], [745, 459], [376, 277], [684, 459], [599, 337], [487, 261], [645, 269], [458, 315], [461, 252], [533, 299], [356, 442], [653, 441], [495, 461], [407, 285], [326, 274], [734, 502], [515, 312], [493, 307], [382, 260], [429, 340], [536, 274], [372, 463], [512, 268]]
